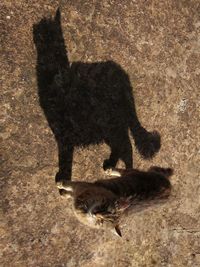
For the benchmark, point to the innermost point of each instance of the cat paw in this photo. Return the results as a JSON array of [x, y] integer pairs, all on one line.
[[59, 184], [61, 180], [109, 172], [64, 194]]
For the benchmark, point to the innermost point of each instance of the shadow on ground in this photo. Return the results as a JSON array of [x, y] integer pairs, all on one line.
[[86, 103]]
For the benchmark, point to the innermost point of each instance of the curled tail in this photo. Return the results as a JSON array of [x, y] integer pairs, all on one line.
[[167, 172]]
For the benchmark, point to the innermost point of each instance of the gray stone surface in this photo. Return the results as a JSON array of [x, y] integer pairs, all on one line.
[[157, 43]]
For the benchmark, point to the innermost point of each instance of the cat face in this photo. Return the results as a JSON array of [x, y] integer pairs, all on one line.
[[99, 215], [100, 211]]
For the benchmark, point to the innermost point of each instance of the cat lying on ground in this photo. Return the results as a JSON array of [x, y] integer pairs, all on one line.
[[101, 204]]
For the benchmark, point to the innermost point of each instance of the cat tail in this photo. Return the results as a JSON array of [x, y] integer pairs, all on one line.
[[167, 172]]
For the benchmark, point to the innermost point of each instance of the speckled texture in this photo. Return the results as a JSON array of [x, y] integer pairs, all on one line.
[[157, 43]]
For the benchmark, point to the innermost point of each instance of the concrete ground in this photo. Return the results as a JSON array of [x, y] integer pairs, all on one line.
[[156, 49]]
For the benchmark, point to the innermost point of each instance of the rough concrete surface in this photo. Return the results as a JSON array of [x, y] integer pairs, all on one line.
[[155, 43]]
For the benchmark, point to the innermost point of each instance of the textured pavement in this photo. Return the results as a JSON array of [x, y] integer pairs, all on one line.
[[124, 55]]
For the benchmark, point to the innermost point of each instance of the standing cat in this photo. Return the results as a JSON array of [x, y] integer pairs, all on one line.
[[101, 204]]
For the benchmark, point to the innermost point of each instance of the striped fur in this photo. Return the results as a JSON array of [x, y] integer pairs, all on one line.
[[102, 203]]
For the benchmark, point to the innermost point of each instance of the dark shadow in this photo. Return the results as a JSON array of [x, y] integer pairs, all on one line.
[[86, 103]]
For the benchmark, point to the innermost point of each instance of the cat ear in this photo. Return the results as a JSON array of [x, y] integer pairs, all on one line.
[[58, 15], [117, 231], [123, 203]]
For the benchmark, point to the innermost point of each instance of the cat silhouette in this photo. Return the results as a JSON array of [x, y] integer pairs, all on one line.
[[86, 103]]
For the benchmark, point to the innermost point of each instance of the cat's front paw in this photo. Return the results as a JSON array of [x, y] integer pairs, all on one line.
[[61, 179], [64, 194], [59, 184], [109, 172]]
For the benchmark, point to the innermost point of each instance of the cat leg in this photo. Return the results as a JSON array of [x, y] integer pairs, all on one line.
[[167, 172], [65, 194], [66, 185], [120, 172], [114, 172]]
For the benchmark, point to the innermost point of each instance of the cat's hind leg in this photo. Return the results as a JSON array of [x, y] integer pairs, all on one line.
[[167, 172]]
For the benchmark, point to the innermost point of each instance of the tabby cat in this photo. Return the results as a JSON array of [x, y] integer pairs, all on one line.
[[100, 204]]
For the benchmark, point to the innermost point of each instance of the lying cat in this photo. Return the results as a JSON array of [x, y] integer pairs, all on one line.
[[101, 204]]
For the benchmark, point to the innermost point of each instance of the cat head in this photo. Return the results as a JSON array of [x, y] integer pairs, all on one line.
[[101, 211]]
